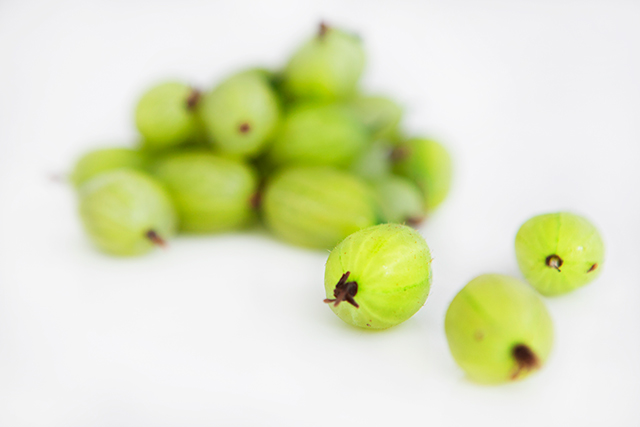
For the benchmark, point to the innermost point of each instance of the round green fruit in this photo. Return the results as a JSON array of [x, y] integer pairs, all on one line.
[[400, 200], [498, 329], [380, 115], [126, 212], [165, 115], [374, 162], [378, 277], [315, 135], [559, 252], [107, 159], [325, 68], [241, 114], [429, 165], [317, 207], [209, 192]]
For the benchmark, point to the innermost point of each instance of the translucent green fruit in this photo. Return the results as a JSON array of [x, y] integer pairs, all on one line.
[[428, 164], [400, 200], [126, 212], [319, 135], [317, 207], [374, 162], [98, 161], [378, 277], [380, 115], [498, 329], [209, 192], [165, 115], [241, 114], [559, 252], [327, 67]]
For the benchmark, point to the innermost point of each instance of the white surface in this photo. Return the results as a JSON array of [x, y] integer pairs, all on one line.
[[539, 102]]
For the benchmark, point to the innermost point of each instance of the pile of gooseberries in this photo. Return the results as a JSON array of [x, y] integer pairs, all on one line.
[[304, 151]]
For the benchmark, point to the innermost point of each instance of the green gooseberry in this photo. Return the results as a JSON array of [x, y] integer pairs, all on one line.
[[317, 206], [559, 252], [126, 212], [429, 165], [498, 329], [165, 115], [106, 159], [374, 162], [210, 193], [325, 68], [400, 200], [378, 277], [315, 135], [241, 114], [379, 114]]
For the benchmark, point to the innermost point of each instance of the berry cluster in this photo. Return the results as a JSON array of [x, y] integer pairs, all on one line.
[[301, 148], [498, 328]]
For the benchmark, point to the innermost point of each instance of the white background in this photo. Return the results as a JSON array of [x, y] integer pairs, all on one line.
[[539, 102]]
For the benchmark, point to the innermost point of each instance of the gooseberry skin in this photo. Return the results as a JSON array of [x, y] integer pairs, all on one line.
[[498, 329], [126, 212], [210, 193], [400, 200], [374, 162], [241, 113], [325, 68], [391, 264], [165, 115], [103, 160], [319, 135], [380, 115], [429, 165], [571, 238], [317, 207]]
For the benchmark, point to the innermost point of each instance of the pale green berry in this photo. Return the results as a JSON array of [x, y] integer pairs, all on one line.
[[126, 212], [316, 206], [429, 165], [400, 200], [559, 252], [374, 162], [378, 277], [165, 115], [209, 192], [498, 329], [314, 135], [380, 115], [325, 68], [107, 159], [241, 114]]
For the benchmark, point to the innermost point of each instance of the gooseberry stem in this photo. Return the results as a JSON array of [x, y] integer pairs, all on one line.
[[414, 221], [322, 31], [156, 239], [344, 291], [193, 99], [554, 261], [525, 358]]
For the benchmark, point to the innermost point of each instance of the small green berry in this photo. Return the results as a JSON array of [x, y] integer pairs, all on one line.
[[325, 68], [380, 115], [210, 193], [107, 159], [498, 329], [378, 277], [400, 200], [317, 207], [319, 135], [374, 162], [428, 164], [241, 114], [126, 212], [165, 115], [559, 252]]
